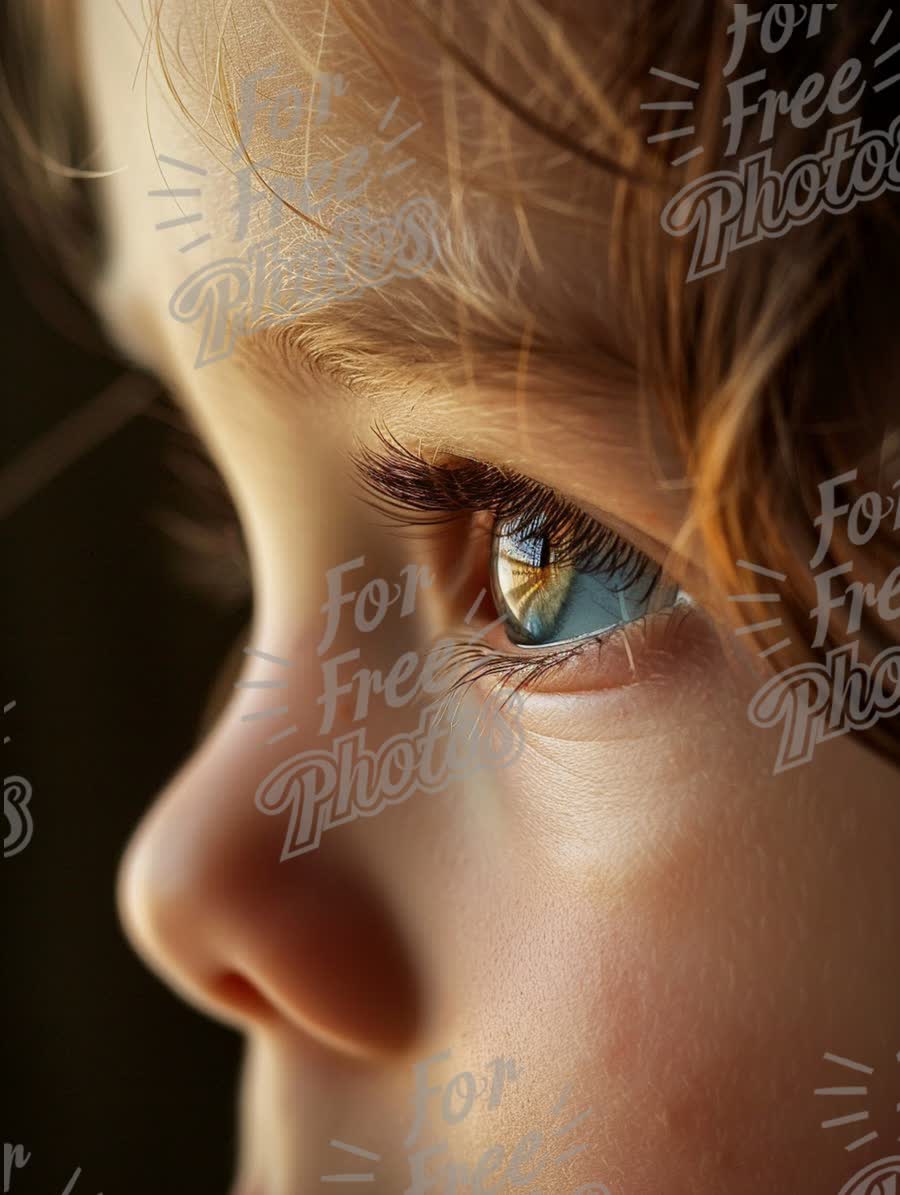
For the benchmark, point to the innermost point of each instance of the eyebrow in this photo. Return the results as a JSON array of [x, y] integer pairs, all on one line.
[[365, 346]]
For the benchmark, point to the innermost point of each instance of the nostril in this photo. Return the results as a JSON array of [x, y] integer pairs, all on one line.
[[240, 995]]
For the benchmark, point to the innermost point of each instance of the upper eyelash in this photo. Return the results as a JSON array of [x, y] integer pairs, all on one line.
[[402, 478]]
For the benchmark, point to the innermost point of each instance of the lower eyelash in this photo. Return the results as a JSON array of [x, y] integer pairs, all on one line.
[[471, 662]]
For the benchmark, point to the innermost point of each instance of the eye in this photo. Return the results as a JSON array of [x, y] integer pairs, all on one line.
[[550, 592], [560, 580]]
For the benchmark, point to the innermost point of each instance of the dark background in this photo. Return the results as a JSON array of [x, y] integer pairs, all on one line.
[[109, 654]]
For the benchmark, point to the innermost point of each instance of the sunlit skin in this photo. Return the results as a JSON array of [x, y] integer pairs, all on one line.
[[637, 906]]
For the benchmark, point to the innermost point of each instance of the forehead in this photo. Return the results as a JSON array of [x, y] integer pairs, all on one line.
[[261, 123]]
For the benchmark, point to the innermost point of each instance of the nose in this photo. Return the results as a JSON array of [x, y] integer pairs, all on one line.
[[313, 943]]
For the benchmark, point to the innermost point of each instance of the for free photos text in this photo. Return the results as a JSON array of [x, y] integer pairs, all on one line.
[[813, 701], [15, 1157], [493, 1170], [431, 1173], [728, 209], [327, 787], [268, 284], [17, 793]]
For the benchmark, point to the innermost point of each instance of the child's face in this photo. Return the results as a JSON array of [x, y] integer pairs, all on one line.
[[634, 905]]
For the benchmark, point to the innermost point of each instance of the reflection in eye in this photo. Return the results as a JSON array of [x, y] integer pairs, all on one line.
[[550, 596]]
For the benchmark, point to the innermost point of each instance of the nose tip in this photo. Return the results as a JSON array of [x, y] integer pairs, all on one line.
[[311, 943], [168, 922]]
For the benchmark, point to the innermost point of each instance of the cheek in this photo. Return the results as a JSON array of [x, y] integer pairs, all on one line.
[[711, 931], [719, 978]]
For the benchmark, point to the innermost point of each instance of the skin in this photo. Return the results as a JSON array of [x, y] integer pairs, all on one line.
[[637, 906]]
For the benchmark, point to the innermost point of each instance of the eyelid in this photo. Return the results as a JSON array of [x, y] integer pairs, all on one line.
[[401, 479]]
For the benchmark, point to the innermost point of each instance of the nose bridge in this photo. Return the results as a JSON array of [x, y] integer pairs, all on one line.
[[361, 690], [208, 892]]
